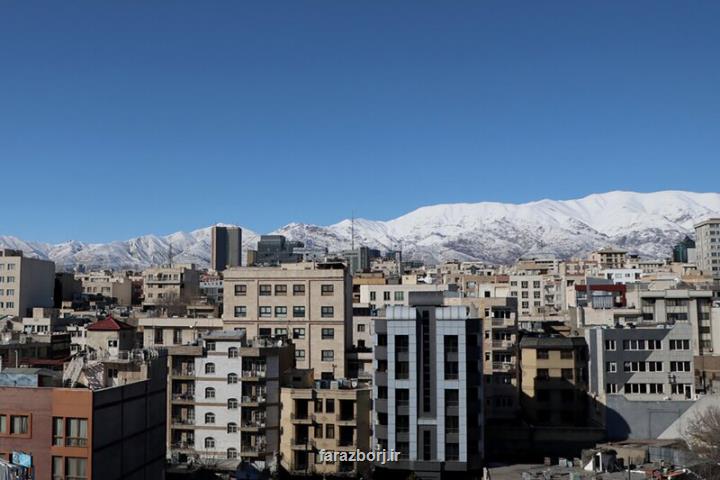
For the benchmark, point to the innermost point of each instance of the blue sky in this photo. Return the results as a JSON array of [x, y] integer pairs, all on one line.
[[130, 117]]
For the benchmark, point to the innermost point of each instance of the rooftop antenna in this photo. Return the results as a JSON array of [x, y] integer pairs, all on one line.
[[352, 230], [170, 255]]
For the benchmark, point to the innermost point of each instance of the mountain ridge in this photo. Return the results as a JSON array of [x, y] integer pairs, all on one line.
[[493, 232]]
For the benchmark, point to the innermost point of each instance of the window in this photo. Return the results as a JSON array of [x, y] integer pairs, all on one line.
[[679, 366], [298, 333], [543, 374], [327, 312], [610, 345], [240, 311], [76, 432], [209, 392], [452, 452], [232, 453], [158, 336], [566, 354], [543, 354], [264, 332], [177, 336], [209, 368], [240, 290], [611, 388], [113, 343], [209, 418], [523, 284], [329, 405], [281, 332], [298, 290], [232, 403], [266, 311], [611, 367], [679, 344], [567, 374], [265, 290], [19, 424], [327, 290], [281, 311], [209, 443], [210, 346], [330, 431], [58, 430], [386, 295], [399, 296], [281, 290], [328, 333], [361, 327], [300, 354], [75, 468], [373, 296], [57, 468], [232, 378], [328, 355], [232, 428], [298, 312]]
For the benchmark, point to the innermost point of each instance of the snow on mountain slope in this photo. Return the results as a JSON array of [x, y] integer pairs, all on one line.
[[644, 223]]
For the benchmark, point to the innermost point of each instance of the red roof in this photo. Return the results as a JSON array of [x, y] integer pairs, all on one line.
[[109, 325]]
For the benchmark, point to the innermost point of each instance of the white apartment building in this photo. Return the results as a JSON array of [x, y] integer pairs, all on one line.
[[380, 296], [310, 303], [707, 245], [25, 283], [622, 276]]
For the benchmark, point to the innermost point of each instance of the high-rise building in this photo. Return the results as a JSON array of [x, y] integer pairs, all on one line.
[[226, 248], [276, 249], [427, 387], [707, 245], [684, 251], [310, 303], [25, 283]]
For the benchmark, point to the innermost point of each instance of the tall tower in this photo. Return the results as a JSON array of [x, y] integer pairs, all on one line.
[[226, 248]]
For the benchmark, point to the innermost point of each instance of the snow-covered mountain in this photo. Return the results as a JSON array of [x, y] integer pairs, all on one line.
[[644, 223]]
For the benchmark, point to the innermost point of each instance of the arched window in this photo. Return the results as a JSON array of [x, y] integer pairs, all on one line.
[[232, 352], [232, 403], [209, 442], [209, 368], [209, 392], [210, 418], [232, 453], [232, 378], [232, 428]]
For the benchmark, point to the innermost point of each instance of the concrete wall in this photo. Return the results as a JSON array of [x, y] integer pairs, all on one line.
[[635, 420]]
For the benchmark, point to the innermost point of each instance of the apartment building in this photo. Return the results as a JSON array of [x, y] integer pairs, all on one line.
[[109, 336], [275, 250], [24, 283], [380, 296], [553, 381], [84, 433], [226, 248], [323, 414], [107, 284], [609, 258], [310, 303], [707, 246], [642, 363], [694, 307], [170, 285], [535, 294], [165, 332], [622, 275], [428, 389], [225, 399]]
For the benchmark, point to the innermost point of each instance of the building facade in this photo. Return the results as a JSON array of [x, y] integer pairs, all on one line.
[[707, 246], [25, 283], [226, 248]]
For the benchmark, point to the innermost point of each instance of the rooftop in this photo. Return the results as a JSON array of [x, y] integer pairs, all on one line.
[[109, 324]]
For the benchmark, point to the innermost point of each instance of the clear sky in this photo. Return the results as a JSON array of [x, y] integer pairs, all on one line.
[[120, 118]]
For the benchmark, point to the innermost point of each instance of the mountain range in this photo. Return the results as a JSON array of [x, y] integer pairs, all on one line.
[[648, 224]]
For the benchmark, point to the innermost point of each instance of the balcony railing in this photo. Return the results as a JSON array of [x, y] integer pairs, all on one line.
[[182, 445], [75, 442], [183, 372], [503, 344], [183, 421], [253, 373], [302, 416], [189, 397], [255, 423], [252, 399], [503, 366]]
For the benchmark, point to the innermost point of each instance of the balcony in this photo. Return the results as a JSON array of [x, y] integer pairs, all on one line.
[[183, 422], [257, 450], [345, 418], [503, 344], [75, 442], [503, 322], [253, 375], [303, 444], [188, 373], [503, 366], [252, 400], [302, 418], [183, 397], [182, 445], [252, 425]]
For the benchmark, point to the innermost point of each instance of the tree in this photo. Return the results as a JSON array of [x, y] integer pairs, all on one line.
[[702, 434]]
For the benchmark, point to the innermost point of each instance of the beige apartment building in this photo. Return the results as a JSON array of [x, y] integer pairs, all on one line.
[[309, 303], [317, 415], [108, 285], [609, 258], [170, 284], [707, 245], [164, 332], [25, 283]]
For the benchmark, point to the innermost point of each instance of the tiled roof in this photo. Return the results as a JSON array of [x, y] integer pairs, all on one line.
[[109, 325]]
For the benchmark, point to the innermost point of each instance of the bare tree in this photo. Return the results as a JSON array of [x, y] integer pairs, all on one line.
[[702, 434], [172, 304]]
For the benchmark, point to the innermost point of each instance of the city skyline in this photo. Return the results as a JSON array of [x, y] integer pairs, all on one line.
[[167, 119]]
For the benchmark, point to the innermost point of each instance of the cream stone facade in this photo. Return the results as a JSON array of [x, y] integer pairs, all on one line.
[[25, 283], [161, 284], [108, 285], [309, 303]]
